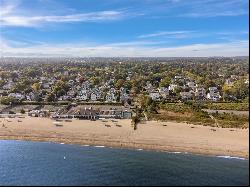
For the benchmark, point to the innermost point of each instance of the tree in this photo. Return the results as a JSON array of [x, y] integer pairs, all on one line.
[[119, 83], [81, 79], [36, 87], [128, 85], [5, 100], [95, 80], [22, 111], [149, 101], [165, 82], [152, 108], [240, 89], [50, 97], [142, 99], [118, 97]]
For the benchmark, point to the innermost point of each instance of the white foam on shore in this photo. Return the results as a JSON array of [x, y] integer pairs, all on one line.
[[140, 149], [231, 157], [99, 146], [62, 143], [176, 152], [86, 145]]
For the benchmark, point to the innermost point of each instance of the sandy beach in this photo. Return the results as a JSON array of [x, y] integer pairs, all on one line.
[[151, 135]]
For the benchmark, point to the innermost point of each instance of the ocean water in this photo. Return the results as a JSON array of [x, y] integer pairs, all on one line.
[[44, 163]]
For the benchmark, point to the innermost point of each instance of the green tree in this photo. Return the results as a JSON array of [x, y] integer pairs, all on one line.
[[5, 100], [50, 97], [22, 111]]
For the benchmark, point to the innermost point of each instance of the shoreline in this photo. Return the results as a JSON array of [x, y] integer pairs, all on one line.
[[49, 140], [152, 136]]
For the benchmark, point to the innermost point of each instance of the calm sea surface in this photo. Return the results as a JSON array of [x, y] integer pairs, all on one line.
[[33, 163]]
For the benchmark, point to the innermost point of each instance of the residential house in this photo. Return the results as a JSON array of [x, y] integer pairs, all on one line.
[[186, 95], [71, 82], [86, 84], [200, 93], [124, 97], [213, 94], [64, 98], [45, 85], [43, 78], [191, 85], [18, 96], [2, 92], [9, 85], [229, 82], [82, 97], [93, 96], [213, 89], [71, 93], [149, 87], [123, 90], [112, 90], [66, 73], [30, 96], [172, 87], [164, 92], [128, 78], [155, 95], [78, 87], [110, 97]]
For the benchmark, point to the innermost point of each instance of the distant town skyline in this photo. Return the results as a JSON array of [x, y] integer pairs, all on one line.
[[124, 28]]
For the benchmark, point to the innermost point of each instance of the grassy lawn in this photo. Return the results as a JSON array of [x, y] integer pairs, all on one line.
[[227, 106], [189, 113]]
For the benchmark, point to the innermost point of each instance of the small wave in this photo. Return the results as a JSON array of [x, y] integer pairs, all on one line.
[[140, 149], [86, 145], [99, 146], [231, 157], [62, 143], [176, 152]]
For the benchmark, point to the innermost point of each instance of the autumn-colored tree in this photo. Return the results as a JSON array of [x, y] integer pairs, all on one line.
[[36, 87]]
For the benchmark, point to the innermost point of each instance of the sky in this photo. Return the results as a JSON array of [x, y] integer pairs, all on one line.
[[124, 28]]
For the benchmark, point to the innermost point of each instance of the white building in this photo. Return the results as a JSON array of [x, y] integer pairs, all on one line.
[[213, 89], [30, 96], [46, 85], [200, 93], [155, 96], [172, 87], [82, 97], [213, 96], [149, 87], [110, 97], [17, 96], [186, 95], [8, 86], [93, 96], [228, 82], [191, 85], [64, 98], [86, 85], [124, 97], [164, 92], [71, 93]]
